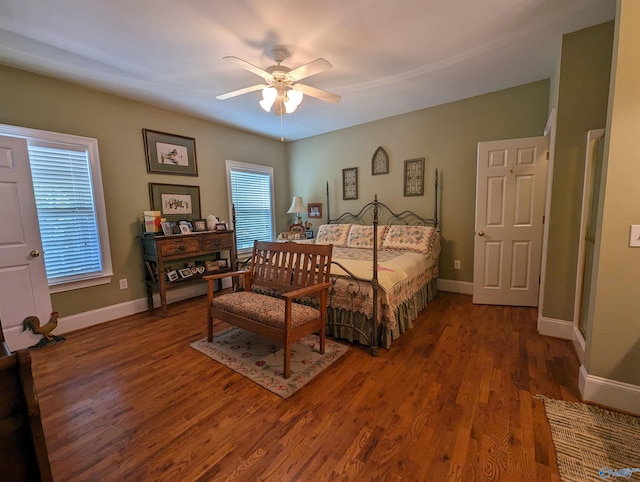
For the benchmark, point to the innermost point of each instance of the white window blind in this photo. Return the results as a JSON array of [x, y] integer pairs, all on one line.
[[251, 189], [66, 211]]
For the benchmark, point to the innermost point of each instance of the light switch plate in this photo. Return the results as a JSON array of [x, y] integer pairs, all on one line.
[[634, 236]]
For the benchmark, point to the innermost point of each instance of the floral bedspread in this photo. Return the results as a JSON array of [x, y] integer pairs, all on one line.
[[401, 274]]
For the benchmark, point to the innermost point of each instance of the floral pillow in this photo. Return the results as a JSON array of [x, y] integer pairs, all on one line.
[[335, 234], [410, 238], [362, 236]]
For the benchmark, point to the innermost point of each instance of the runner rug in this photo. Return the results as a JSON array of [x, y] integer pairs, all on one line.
[[593, 444], [260, 360]]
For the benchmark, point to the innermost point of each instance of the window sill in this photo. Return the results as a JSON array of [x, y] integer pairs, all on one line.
[[79, 284]]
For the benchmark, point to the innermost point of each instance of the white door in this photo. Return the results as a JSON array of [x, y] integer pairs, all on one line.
[[510, 197], [23, 280]]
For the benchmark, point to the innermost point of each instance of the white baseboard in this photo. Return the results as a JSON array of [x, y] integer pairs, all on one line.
[[454, 286], [556, 328], [609, 393], [579, 343], [108, 313]]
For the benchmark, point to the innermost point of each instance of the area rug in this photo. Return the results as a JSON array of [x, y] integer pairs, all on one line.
[[262, 361], [592, 443]]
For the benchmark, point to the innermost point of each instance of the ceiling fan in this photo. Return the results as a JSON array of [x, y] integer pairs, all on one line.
[[281, 88]]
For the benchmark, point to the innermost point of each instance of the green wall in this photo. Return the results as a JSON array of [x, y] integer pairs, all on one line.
[[613, 345], [583, 89], [446, 136], [38, 102]]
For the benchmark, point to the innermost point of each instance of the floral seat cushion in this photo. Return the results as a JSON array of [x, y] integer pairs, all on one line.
[[270, 312]]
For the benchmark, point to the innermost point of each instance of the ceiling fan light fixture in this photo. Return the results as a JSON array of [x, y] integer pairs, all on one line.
[[268, 98]]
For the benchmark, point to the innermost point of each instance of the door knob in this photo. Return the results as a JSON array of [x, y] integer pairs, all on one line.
[[35, 253], [480, 233]]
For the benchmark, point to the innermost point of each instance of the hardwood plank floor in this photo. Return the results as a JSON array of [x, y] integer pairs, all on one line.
[[451, 400]]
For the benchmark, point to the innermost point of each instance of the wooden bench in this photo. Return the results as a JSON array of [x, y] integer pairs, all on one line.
[[285, 271], [22, 443]]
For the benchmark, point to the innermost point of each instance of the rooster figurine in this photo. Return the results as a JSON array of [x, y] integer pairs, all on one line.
[[33, 323]]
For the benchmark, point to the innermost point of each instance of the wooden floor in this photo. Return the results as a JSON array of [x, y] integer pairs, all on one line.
[[451, 400]]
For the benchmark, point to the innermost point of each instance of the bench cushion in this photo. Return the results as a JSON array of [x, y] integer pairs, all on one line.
[[264, 309]]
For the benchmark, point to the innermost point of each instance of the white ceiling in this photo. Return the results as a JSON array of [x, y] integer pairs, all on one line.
[[389, 56]]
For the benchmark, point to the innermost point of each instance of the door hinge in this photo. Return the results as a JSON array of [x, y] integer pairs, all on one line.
[[543, 219], [547, 155]]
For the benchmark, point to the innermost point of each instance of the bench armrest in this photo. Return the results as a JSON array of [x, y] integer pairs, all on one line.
[[305, 291], [228, 274]]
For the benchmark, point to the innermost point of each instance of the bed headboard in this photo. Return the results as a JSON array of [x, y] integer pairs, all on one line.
[[377, 212]]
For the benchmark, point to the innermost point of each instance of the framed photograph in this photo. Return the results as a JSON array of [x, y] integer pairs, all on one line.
[[380, 162], [169, 153], [167, 228], [223, 263], [200, 225], [172, 275], [174, 201], [185, 229], [211, 266], [221, 227], [314, 210], [350, 183], [185, 272], [414, 177]]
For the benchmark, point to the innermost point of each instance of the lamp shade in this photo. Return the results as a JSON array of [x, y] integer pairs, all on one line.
[[297, 206]]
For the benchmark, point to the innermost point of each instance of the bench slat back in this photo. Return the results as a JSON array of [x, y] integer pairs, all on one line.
[[289, 266]]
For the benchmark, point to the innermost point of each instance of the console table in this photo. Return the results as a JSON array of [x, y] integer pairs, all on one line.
[[174, 253]]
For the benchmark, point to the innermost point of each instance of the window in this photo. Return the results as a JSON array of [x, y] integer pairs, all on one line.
[[67, 185], [251, 193]]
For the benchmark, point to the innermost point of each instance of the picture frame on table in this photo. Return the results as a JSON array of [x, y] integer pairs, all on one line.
[[350, 183], [314, 210], [167, 228], [199, 225], [414, 177], [169, 153], [172, 275], [175, 202], [185, 273]]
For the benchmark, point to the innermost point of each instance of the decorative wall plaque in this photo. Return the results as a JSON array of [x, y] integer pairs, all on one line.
[[380, 162]]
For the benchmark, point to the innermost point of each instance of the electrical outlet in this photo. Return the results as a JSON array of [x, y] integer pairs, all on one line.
[[123, 284], [456, 264]]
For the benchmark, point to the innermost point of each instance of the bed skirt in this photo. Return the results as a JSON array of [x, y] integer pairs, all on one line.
[[341, 322]]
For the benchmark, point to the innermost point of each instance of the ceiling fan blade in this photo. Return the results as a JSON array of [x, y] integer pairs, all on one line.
[[250, 67], [246, 90], [307, 70], [318, 93]]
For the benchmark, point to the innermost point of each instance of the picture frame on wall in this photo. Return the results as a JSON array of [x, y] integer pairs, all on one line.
[[175, 201], [380, 162], [350, 183], [170, 153], [414, 177]]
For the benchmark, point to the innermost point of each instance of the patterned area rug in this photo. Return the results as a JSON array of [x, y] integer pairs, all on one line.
[[260, 360], [592, 443]]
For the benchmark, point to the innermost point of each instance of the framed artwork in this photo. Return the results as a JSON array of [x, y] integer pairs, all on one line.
[[350, 183], [414, 177], [174, 201], [169, 153], [380, 162], [185, 272], [314, 210], [167, 228], [199, 225]]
